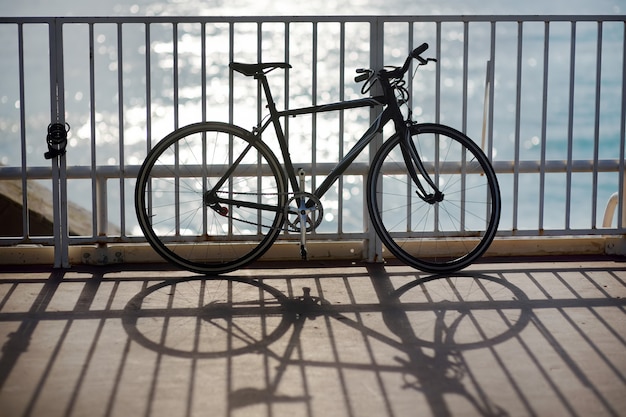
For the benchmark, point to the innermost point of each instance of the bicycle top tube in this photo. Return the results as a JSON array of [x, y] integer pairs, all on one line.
[[385, 75]]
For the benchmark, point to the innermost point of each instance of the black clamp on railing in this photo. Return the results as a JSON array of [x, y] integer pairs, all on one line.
[[56, 139]]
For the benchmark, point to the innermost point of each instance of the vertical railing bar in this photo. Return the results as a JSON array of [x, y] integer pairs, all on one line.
[[490, 109], [55, 167], [25, 210], [231, 78], [287, 77], [175, 72], [101, 196], [488, 86], [177, 212], [544, 116], [373, 245], [287, 90], [120, 109], [231, 105], [438, 75], [492, 90], [259, 37], [203, 70], [60, 88], [412, 67], [621, 203], [464, 117], [314, 116], [342, 86], [99, 207], [518, 101], [596, 130], [465, 77], [409, 183], [57, 113], [570, 127], [437, 114], [148, 51], [259, 58]]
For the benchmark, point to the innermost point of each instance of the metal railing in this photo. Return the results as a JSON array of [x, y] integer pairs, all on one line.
[[544, 95]]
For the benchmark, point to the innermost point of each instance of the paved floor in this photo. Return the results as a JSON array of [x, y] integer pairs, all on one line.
[[520, 339]]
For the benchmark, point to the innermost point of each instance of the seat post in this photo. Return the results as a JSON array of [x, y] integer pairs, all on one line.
[[271, 105], [280, 135]]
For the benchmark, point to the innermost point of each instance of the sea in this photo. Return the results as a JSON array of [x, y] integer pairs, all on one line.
[[585, 212]]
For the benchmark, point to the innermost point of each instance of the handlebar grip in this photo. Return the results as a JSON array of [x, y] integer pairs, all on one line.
[[361, 77], [419, 50]]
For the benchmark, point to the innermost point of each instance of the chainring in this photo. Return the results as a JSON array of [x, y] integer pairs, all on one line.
[[312, 207]]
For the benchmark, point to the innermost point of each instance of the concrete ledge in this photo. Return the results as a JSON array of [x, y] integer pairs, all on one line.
[[317, 250]]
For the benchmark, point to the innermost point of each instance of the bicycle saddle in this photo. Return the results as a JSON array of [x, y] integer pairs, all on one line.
[[253, 69]]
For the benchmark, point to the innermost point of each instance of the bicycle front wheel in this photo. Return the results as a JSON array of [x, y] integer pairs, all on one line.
[[431, 235], [210, 197]]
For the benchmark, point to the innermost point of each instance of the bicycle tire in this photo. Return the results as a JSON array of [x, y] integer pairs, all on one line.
[[181, 221], [443, 236]]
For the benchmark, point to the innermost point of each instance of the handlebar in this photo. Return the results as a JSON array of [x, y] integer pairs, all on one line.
[[397, 72]]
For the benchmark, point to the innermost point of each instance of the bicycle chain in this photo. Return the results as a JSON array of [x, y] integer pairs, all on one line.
[[230, 216]]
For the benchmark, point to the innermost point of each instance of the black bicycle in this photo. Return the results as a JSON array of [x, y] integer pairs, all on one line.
[[211, 197]]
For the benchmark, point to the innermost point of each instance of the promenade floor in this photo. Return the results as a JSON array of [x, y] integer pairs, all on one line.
[[539, 337]]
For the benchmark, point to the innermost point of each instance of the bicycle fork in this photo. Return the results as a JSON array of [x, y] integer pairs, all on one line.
[[413, 161]]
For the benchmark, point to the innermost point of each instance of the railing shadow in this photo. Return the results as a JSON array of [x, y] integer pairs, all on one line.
[[432, 320], [311, 338]]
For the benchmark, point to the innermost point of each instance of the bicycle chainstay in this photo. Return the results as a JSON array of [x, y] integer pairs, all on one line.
[[230, 216]]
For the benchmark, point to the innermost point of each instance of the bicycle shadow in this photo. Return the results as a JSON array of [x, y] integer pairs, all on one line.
[[466, 311], [428, 321]]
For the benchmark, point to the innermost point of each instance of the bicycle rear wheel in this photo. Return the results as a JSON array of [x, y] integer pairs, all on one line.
[[210, 197], [435, 236]]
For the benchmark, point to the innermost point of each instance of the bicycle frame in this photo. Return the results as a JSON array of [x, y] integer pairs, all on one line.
[[344, 163]]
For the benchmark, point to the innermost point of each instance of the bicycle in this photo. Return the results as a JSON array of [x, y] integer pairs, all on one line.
[[212, 197]]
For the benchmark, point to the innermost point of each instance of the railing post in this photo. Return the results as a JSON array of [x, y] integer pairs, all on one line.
[[57, 116], [101, 205], [373, 246]]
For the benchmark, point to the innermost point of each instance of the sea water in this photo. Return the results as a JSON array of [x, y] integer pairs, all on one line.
[[527, 143]]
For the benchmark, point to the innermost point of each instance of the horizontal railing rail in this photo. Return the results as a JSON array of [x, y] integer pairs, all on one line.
[[543, 95]]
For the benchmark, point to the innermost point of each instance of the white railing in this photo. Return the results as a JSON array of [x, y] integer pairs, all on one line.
[[545, 96]]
